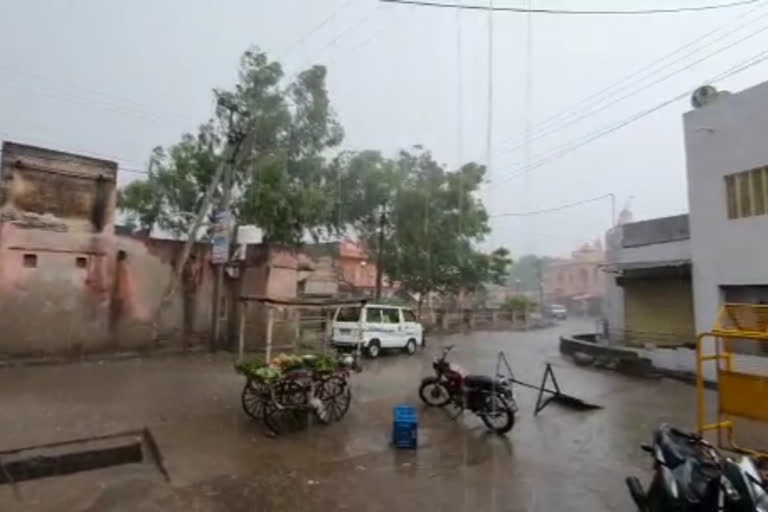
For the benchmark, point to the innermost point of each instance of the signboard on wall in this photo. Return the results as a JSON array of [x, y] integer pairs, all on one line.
[[220, 239]]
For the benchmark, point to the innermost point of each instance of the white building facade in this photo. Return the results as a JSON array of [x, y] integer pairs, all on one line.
[[718, 249], [726, 145]]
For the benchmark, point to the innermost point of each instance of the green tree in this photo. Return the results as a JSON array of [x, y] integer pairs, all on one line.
[[524, 274], [282, 180], [519, 304], [433, 220], [142, 204]]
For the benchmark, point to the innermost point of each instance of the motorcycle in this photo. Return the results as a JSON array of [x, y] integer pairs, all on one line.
[[490, 398], [690, 475]]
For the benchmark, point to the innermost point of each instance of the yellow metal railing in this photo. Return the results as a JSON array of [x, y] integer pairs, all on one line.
[[740, 394]]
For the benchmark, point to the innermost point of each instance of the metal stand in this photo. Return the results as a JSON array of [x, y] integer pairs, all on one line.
[[542, 402], [554, 393]]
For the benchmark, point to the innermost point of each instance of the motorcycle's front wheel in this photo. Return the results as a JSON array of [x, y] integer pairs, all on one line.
[[498, 416], [433, 392]]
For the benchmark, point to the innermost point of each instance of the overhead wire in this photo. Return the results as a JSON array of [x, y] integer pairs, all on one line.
[[343, 5], [108, 100], [131, 107], [593, 12], [349, 28], [528, 141], [489, 95], [460, 117], [584, 140], [600, 94], [553, 209], [355, 49], [643, 88]]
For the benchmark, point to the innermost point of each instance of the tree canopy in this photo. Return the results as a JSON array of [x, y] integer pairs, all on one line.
[[281, 173], [288, 181], [524, 274], [432, 220]]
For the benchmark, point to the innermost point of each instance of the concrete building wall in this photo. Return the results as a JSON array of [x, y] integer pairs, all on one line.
[[724, 137], [343, 268], [59, 192], [67, 283], [271, 271], [655, 231], [656, 242], [323, 281], [99, 293], [659, 252]]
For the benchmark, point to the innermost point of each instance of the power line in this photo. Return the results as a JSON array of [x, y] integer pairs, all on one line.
[[616, 87], [711, 7], [742, 66], [102, 98], [460, 116], [601, 108], [317, 27], [553, 209], [362, 20], [489, 93], [365, 42], [527, 142]]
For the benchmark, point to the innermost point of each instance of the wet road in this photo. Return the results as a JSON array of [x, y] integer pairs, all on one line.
[[218, 460]]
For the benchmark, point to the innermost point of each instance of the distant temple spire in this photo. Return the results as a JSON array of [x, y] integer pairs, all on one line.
[[625, 215]]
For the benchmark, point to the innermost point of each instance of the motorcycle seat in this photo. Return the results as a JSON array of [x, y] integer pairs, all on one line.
[[481, 381]]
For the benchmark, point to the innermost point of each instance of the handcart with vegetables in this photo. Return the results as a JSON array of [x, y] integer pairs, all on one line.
[[290, 391], [286, 393]]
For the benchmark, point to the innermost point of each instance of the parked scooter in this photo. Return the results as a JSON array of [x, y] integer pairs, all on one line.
[[748, 481], [490, 398], [690, 475]]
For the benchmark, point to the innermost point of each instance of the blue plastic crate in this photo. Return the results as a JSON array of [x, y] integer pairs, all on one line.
[[405, 427]]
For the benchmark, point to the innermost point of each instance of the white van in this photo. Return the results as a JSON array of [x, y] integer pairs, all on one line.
[[377, 327]]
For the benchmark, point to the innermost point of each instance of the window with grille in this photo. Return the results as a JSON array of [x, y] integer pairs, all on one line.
[[746, 193]]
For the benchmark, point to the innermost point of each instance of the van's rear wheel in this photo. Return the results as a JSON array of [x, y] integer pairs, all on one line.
[[410, 347], [374, 349]]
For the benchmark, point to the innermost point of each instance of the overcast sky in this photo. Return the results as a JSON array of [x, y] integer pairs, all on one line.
[[115, 79]]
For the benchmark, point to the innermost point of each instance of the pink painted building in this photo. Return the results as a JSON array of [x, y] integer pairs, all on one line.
[[576, 282], [68, 284], [343, 268]]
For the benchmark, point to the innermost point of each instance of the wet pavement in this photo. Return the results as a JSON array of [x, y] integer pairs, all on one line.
[[220, 460]]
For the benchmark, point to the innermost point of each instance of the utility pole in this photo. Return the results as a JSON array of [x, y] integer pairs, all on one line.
[[198, 221], [224, 222], [224, 217], [235, 140], [380, 253], [540, 275]]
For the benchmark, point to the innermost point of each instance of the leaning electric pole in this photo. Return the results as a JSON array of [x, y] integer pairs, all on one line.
[[222, 229], [540, 279], [380, 253]]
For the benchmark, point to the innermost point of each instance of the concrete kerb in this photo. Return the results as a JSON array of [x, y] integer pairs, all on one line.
[[585, 350], [99, 357]]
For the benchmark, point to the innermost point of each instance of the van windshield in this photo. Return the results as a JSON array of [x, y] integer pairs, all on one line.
[[348, 314]]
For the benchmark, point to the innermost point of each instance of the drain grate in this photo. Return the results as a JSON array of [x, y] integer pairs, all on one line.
[[67, 457]]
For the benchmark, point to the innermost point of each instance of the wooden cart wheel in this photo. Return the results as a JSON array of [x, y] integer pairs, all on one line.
[[288, 411], [255, 398], [335, 396]]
